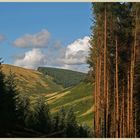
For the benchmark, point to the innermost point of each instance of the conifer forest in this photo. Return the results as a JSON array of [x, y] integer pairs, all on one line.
[[57, 102], [115, 68]]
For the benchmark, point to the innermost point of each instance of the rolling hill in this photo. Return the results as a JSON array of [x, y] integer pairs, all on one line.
[[35, 84], [64, 77], [31, 81], [79, 98]]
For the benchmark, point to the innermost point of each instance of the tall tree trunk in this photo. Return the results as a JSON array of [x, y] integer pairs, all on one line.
[[133, 53], [105, 72], [99, 92], [107, 109], [120, 123], [98, 100], [123, 111], [117, 94], [114, 115], [134, 62], [128, 104], [131, 96], [95, 102]]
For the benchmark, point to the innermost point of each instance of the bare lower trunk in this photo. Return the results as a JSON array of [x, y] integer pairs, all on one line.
[[117, 94], [105, 76], [128, 105], [123, 112]]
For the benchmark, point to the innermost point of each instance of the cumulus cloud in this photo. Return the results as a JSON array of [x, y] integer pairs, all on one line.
[[38, 40], [2, 38], [56, 54], [73, 56], [76, 55], [77, 51], [31, 59]]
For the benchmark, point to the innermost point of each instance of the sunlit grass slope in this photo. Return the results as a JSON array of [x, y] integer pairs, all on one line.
[[34, 84], [79, 97], [31, 81]]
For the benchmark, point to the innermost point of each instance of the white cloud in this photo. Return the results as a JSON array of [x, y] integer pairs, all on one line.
[[31, 59], [71, 57], [76, 55], [38, 40], [77, 51]]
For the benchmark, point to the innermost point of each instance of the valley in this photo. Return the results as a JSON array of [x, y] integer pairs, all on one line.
[[34, 84]]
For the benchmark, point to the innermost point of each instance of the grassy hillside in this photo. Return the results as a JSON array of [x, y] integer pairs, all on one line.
[[79, 97], [66, 78], [36, 84], [32, 81]]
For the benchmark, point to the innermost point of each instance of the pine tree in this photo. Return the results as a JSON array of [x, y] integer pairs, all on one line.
[[22, 107], [10, 100], [71, 125], [55, 122], [112, 60], [62, 116], [8, 95], [2, 93], [43, 116], [136, 68]]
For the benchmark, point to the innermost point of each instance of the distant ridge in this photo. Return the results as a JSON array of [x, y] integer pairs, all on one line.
[[64, 77], [62, 69]]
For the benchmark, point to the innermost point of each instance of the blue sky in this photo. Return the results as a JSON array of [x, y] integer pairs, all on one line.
[[63, 30]]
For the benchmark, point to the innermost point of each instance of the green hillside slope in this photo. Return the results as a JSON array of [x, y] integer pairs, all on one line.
[[36, 84], [79, 97], [66, 78], [32, 81]]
